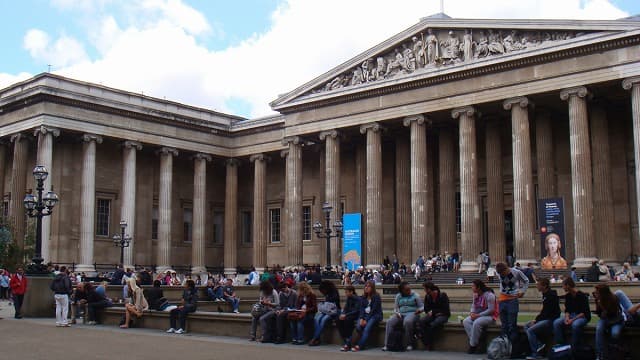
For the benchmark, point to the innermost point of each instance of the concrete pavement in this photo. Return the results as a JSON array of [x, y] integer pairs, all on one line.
[[40, 339]]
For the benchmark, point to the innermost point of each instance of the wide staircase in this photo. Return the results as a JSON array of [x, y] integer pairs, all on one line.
[[215, 318]]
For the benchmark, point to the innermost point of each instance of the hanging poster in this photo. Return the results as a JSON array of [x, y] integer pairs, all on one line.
[[352, 241], [551, 220]]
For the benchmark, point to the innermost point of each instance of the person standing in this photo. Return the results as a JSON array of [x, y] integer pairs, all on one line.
[[61, 287], [543, 322], [18, 285], [513, 285]]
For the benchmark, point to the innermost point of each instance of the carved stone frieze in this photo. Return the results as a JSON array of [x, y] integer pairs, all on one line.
[[434, 49]]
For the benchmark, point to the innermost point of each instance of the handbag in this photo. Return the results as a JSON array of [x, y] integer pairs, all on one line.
[[328, 308], [295, 315], [258, 310]]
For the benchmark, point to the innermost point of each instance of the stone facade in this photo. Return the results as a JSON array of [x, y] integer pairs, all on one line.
[[421, 148]]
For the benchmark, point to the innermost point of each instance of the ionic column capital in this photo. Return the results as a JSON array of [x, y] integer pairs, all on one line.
[[166, 150], [295, 140], [92, 137], [284, 153], [129, 144], [628, 83], [579, 91], [202, 156], [334, 134], [44, 130], [375, 127], [519, 100], [259, 157], [467, 110], [232, 162], [419, 119], [19, 137]]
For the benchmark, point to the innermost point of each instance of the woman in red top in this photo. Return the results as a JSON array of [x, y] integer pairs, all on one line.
[[18, 285]]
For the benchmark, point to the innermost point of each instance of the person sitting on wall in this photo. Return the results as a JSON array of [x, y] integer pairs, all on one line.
[[544, 320], [554, 259], [576, 314], [407, 309], [484, 312], [437, 310], [187, 305]]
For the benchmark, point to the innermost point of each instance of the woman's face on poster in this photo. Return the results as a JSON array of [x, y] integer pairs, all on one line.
[[553, 245]]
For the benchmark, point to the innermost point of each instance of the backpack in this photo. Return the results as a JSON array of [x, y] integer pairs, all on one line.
[[394, 342], [499, 348]]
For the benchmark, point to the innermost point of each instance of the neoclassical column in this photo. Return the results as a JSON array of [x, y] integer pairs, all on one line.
[[198, 264], [18, 185], [633, 84], [602, 187], [469, 196], [88, 202], [446, 192], [260, 226], [45, 137], [332, 186], [231, 217], [547, 187], [581, 175], [420, 243], [495, 191], [163, 258], [3, 165], [403, 201], [525, 244], [374, 194], [293, 199], [128, 204]]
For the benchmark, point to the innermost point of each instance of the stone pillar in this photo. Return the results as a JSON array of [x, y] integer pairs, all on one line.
[[198, 263], [602, 189], [293, 199], [544, 155], [374, 194], [495, 192], [88, 202], [420, 243], [633, 84], [231, 218], [3, 165], [525, 245], [128, 204], [260, 225], [18, 186], [332, 186], [163, 259], [446, 192], [469, 196], [581, 176], [403, 201], [45, 157]]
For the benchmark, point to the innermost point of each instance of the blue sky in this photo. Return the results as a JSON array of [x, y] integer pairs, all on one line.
[[231, 56]]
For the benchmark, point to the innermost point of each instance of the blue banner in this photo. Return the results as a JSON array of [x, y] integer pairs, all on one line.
[[352, 241], [551, 219]]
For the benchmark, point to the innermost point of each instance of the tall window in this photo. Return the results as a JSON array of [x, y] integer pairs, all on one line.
[[102, 217], [274, 225], [154, 223], [245, 230], [218, 227], [306, 223], [458, 212], [187, 216]]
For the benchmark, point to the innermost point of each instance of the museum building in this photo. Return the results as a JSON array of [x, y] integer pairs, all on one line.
[[445, 137]]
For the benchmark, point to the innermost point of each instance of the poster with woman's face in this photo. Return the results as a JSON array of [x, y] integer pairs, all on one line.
[[551, 219], [553, 259]]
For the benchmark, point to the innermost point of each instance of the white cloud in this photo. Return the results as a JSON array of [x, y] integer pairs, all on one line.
[[63, 52], [152, 46]]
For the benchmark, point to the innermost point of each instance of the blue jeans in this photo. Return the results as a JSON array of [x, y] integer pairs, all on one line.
[[509, 318], [297, 327], [533, 330], [321, 321], [366, 331], [602, 329], [214, 294], [577, 327], [235, 302]]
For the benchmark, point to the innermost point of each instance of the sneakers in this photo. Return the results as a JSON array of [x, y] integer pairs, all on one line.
[[344, 348], [236, 312], [384, 348], [355, 348], [409, 348], [171, 331], [91, 323], [180, 331]]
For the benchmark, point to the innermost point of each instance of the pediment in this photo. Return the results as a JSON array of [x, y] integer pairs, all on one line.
[[437, 46]]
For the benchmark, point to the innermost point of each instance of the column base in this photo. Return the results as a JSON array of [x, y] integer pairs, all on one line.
[[469, 266], [260, 270], [230, 271], [162, 268], [88, 269], [372, 267], [198, 270], [584, 262]]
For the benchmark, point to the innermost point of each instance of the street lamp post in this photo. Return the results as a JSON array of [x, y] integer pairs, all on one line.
[[121, 240], [38, 207], [325, 232]]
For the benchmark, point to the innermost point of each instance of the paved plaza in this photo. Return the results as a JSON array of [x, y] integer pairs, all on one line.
[[40, 339]]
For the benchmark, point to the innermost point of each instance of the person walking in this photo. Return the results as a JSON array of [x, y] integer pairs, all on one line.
[[18, 285], [61, 287], [513, 285]]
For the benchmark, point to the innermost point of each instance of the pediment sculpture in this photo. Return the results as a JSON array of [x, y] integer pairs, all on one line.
[[438, 48]]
